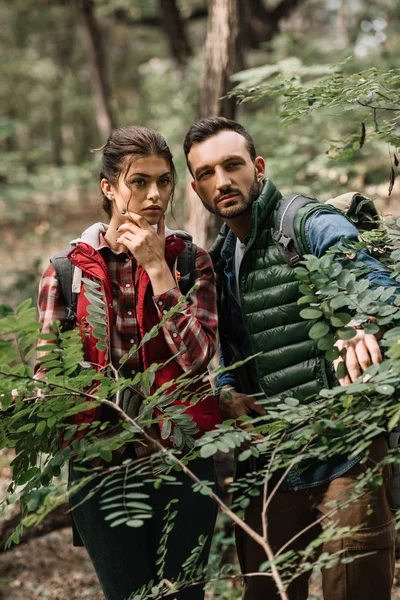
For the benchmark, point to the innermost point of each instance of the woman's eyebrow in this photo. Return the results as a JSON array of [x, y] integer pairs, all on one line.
[[147, 175]]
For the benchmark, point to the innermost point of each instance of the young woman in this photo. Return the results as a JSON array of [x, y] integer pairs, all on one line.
[[134, 259]]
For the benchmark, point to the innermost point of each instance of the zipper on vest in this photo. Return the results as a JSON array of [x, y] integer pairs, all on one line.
[[255, 362]]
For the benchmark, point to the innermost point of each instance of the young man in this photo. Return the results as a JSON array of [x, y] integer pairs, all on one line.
[[258, 293]]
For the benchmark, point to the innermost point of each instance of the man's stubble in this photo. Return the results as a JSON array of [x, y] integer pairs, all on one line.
[[231, 212]]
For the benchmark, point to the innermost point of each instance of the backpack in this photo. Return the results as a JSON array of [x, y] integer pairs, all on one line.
[[362, 212], [186, 265], [356, 207]]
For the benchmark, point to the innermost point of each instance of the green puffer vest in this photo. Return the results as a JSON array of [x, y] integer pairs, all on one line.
[[289, 362]]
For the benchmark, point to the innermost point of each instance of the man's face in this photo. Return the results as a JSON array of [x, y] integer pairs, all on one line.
[[226, 180]]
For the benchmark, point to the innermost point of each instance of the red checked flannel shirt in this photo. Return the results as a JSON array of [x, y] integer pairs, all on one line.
[[189, 333]]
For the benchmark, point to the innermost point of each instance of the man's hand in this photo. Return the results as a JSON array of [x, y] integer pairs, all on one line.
[[234, 404], [361, 352]]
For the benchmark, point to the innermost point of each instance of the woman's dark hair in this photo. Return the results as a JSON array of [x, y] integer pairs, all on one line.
[[124, 143], [206, 128]]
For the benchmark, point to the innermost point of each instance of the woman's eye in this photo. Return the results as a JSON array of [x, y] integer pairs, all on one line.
[[139, 182], [165, 181]]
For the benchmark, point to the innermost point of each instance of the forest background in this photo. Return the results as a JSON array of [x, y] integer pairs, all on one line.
[[71, 70]]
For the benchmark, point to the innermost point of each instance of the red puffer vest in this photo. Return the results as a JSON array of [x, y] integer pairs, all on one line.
[[205, 413]]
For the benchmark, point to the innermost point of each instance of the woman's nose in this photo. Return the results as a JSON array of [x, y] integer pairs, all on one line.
[[153, 193]]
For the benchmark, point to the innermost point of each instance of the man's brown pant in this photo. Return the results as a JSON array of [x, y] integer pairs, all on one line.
[[365, 578]]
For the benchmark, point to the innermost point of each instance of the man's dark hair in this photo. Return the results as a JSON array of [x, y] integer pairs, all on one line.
[[206, 128]]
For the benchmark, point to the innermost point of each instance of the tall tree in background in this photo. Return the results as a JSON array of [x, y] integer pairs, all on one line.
[[174, 28], [92, 38], [222, 57]]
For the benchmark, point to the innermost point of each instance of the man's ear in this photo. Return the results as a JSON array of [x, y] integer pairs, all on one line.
[[194, 187], [260, 167]]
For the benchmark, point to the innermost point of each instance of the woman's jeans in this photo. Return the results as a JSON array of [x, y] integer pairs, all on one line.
[[124, 557]]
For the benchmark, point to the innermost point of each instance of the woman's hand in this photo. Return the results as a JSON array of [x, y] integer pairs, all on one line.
[[148, 248], [145, 244], [361, 351]]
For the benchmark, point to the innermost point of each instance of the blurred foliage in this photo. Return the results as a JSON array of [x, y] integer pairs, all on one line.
[[48, 178], [36, 414]]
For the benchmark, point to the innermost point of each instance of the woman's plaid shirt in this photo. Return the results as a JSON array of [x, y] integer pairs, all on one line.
[[191, 333]]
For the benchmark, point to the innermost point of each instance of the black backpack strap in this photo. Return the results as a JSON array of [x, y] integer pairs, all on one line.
[[186, 263], [284, 234], [65, 272]]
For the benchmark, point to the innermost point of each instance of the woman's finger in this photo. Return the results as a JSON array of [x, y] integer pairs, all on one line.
[[139, 221], [161, 228]]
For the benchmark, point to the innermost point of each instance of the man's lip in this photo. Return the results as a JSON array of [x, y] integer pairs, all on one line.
[[228, 196]]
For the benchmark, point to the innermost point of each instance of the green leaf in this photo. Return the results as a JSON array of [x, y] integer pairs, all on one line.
[[307, 299], [338, 301], [347, 333], [101, 345], [134, 523], [178, 437], [40, 427], [341, 370], [291, 401], [166, 429], [332, 354], [387, 390], [372, 328], [340, 319], [326, 342], [318, 330], [311, 313], [313, 263], [344, 278], [244, 455], [208, 450]]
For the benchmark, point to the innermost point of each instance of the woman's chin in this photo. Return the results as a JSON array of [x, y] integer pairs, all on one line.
[[152, 218]]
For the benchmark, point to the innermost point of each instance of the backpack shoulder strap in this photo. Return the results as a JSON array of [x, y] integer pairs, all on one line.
[[186, 263], [284, 234], [65, 271]]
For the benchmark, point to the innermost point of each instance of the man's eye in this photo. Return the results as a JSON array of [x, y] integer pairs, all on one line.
[[233, 165], [204, 174]]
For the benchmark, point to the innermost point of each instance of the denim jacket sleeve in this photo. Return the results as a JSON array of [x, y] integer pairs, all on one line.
[[324, 229], [227, 377]]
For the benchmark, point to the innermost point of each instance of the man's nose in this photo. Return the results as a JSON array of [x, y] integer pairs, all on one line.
[[223, 179]]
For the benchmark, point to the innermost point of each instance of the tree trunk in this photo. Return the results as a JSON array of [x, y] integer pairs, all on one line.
[[264, 23], [222, 57], [92, 38], [174, 29]]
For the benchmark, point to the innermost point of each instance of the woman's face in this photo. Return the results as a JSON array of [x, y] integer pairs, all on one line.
[[143, 188]]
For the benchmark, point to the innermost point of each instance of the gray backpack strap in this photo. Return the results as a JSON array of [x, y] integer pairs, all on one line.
[[186, 263], [65, 272], [284, 234]]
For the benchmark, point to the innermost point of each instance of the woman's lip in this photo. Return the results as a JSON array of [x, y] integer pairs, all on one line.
[[152, 208]]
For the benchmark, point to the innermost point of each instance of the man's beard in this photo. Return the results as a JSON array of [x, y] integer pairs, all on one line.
[[230, 212]]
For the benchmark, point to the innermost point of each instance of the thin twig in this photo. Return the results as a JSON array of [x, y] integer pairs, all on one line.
[[253, 534]]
